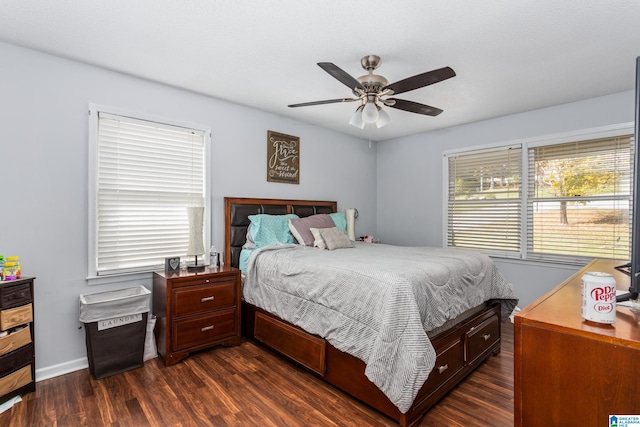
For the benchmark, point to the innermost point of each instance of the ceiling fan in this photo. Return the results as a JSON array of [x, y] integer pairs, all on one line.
[[373, 91]]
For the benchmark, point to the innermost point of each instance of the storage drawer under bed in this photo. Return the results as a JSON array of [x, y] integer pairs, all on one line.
[[306, 349], [449, 361], [482, 338]]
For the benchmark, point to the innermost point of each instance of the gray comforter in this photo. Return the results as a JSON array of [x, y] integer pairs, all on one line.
[[375, 301]]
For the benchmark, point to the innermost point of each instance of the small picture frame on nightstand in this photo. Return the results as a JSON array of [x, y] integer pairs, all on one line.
[[171, 265]]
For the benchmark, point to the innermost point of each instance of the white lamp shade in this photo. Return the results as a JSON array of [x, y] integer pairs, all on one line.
[[356, 119], [196, 241], [384, 118], [370, 113], [350, 214]]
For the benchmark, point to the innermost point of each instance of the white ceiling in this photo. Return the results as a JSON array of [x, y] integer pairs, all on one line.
[[509, 56]]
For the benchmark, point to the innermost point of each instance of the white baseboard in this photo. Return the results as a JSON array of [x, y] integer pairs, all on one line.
[[61, 369]]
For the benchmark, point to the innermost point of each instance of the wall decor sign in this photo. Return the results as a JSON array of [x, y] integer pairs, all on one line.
[[283, 158]]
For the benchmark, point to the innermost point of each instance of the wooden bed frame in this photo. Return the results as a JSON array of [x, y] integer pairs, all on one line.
[[460, 349]]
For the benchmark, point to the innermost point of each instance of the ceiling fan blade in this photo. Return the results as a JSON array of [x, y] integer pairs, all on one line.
[[414, 107], [421, 80], [341, 75], [328, 101]]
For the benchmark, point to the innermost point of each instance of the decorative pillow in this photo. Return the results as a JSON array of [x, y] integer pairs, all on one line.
[[301, 227], [335, 239], [318, 240], [271, 229], [340, 221]]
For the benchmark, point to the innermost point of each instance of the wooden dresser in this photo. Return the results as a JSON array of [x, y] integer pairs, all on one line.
[[196, 310], [571, 372], [17, 355]]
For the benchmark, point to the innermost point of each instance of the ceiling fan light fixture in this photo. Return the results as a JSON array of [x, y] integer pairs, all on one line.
[[356, 119], [370, 113], [372, 90], [384, 118]]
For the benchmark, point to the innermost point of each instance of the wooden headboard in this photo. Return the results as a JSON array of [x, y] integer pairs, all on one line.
[[238, 209]]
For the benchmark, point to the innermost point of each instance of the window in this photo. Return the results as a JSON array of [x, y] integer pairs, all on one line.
[[579, 199], [484, 200], [562, 199], [145, 174]]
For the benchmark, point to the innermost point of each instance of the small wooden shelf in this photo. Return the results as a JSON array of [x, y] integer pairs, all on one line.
[[17, 349]]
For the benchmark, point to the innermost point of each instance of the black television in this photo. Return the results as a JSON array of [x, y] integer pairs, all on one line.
[[633, 267]]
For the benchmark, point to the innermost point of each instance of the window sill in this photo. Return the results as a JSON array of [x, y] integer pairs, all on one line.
[[537, 263], [118, 278]]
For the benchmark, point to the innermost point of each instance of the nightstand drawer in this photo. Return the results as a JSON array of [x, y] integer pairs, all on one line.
[[204, 279], [203, 299], [15, 317], [204, 329]]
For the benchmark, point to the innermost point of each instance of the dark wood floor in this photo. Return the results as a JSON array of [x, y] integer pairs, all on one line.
[[247, 386]]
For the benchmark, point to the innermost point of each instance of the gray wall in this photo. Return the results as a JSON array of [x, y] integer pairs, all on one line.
[[43, 147], [410, 191]]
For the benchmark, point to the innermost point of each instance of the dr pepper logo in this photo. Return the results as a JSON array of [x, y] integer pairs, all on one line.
[[604, 297]]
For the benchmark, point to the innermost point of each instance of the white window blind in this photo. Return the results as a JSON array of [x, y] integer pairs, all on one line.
[[147, 173], [484, 200], [579, 196]]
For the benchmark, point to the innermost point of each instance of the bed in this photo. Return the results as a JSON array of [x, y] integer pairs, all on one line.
[[439, 359]]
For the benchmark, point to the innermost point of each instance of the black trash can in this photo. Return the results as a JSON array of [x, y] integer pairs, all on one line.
[[115, 329]]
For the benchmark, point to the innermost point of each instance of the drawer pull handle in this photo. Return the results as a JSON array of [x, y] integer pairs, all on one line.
[[442, 368], [486, 337], [207, 280], [205, 299], [207, 328]]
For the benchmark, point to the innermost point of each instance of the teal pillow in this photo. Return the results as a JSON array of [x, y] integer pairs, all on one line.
[[271, 229], [340, 220]]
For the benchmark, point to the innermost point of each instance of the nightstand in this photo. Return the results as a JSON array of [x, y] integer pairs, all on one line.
[[196, 310]]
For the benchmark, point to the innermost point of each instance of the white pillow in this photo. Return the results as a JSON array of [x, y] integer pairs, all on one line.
[[319, 241]]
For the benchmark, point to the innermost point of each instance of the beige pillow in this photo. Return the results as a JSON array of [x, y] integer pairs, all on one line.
[[319, 241], [335, 239]]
